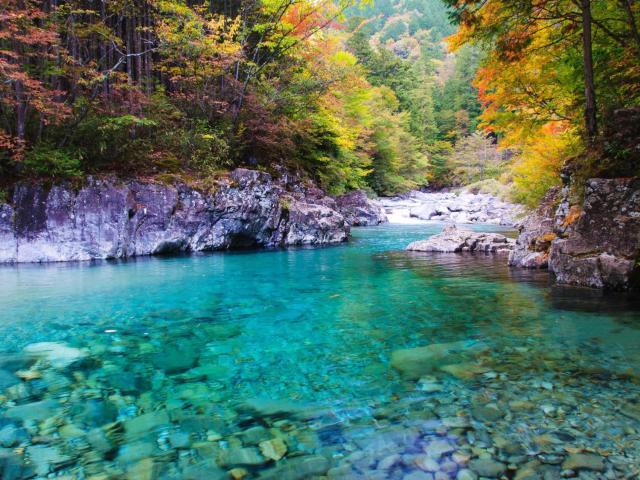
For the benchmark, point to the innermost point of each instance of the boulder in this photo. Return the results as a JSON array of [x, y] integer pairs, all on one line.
[[536, 231], [599, 245], [108, 218], [414, 363], [360, 210], [456, 239], [58, 355], [424, 212]]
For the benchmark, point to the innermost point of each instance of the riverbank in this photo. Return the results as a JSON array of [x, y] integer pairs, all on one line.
[[108, 218]]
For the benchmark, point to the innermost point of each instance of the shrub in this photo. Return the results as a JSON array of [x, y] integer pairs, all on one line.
[[47, 160]]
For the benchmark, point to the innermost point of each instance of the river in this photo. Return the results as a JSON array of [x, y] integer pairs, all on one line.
[[278, 364]]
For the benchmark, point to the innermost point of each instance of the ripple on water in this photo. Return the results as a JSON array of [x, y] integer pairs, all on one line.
[[281, 365]]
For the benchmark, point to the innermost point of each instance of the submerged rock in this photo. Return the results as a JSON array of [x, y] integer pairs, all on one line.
[[359, 210], [108, 218], [57, 354], [414, 363], [487, 467], [456, 239], [583, 461]]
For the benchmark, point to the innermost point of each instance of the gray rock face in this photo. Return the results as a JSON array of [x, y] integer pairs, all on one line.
[[456, 239], [536, 233], [112, 219], [596, 244], [359, 210], [600, 244]]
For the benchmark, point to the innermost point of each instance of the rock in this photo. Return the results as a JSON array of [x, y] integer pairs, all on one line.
[[180, 440], [414, 363], [427, 463], [174, 359], [463, 207], [466, 474], [8, 239], [456, 239], [10, 435], [261, 407], [12, 467], [130, 453], [438, 448], [7, 380], [487, 467], [254, 435], [424, 212], [57, 354], [235, 456], [99, 441], [46, 459], [536, 233], [146, 423], [145, 469], [298, 468], [273, 449], [418, 476], [486, 412], [358, 210], [452, 239], [583, 461], [108, 218], [599, 245], [592, 244], [36, 411], [206, 469], [463, 371], [388, 462], [238, 473]]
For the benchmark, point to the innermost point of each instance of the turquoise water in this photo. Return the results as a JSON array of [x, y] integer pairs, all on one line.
[[296, 345]]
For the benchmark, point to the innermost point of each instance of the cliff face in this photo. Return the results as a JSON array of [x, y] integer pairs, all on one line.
[[594, 244], [599, 243], [112, 219]]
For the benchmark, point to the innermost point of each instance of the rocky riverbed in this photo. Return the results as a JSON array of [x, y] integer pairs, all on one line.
[[133, 407], [462, 207]]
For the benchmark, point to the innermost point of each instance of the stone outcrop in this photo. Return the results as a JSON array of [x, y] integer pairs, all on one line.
[[593, 244], [463, 207], [360, 210], [107, 218], [599, 243], [456, 239], [536, 231]]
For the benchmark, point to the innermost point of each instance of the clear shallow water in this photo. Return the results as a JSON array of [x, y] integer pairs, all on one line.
[[201, 347]]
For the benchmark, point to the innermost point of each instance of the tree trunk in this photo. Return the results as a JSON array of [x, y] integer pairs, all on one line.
[[589, 87]]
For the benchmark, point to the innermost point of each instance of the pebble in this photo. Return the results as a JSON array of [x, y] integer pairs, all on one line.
[[273, 449], [583, 461], [426, 463], [466, 474], [487, 467]]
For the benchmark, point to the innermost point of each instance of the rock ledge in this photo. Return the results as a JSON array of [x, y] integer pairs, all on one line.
[[109, 218], [456, 239]]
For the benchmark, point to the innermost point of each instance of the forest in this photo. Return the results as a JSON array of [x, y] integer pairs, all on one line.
[[385, 95]]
